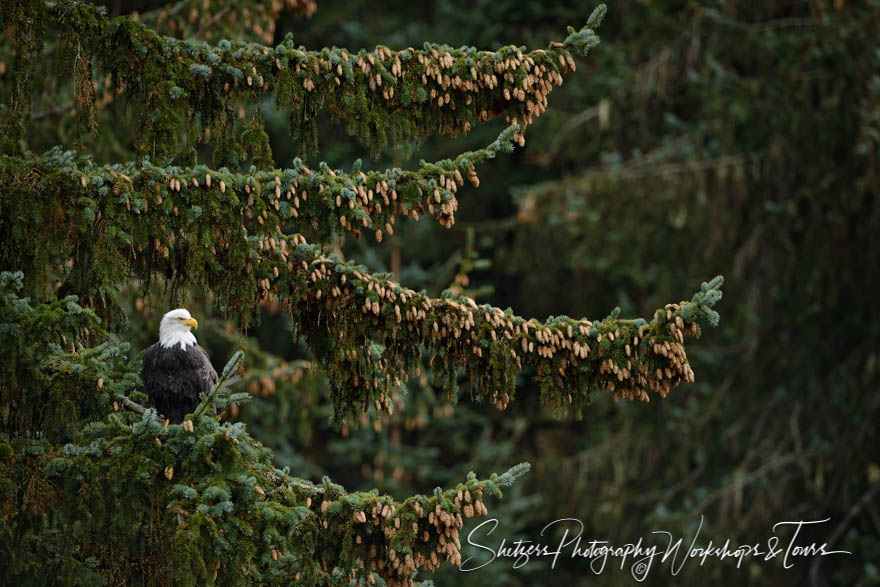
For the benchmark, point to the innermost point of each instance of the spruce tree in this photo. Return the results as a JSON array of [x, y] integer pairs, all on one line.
[[95, 486]]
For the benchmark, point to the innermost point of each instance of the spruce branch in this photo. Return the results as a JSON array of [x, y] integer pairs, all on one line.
[[211, 483], [338, 301], [368, 331], [215, 394], [131, 405], [295, 200], [409, 528], [385, 96], [304, 528]]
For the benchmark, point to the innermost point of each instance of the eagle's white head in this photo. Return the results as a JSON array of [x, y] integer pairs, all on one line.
[[174, 329]]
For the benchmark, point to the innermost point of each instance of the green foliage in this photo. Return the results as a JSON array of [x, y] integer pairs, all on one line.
[[26, 43], [220, 398], [180, 219], [367, 331], [96, 490], [53, 377], [204, 505], [192, 90]]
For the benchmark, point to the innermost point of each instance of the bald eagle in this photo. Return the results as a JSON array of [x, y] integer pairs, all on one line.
[[176, 369]]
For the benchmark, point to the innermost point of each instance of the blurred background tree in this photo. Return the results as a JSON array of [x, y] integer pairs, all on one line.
[[738, 138]]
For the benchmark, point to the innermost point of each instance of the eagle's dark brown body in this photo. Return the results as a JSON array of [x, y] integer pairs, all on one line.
[[174, 378]]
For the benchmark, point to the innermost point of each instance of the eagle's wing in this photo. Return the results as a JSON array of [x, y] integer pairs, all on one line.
[[163, 384], [205, 369], [154, 377]]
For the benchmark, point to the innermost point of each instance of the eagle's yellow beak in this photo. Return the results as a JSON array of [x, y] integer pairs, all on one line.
[[191, 322]]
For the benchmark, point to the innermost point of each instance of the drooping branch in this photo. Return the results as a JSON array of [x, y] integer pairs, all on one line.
[[386, 96], [367, 331], [318, 202]]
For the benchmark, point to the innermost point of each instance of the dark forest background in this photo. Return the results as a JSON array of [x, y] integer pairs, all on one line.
[[699, 138]]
